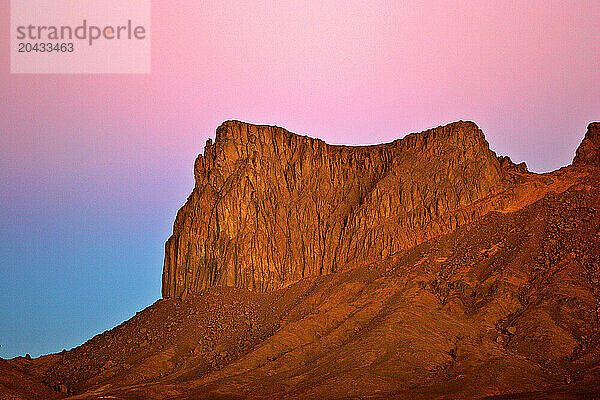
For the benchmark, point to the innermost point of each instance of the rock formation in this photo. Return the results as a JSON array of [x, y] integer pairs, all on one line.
[[270, 207], [588, 152]]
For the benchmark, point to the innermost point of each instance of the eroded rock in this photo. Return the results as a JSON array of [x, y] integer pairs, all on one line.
[[270, 207]]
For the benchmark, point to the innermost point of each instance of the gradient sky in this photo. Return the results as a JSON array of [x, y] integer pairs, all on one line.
[[94, 167]]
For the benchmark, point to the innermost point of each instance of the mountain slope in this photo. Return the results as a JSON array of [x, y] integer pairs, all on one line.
[[507, 305]]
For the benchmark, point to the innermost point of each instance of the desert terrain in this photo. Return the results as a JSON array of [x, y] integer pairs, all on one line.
[[428, 268]]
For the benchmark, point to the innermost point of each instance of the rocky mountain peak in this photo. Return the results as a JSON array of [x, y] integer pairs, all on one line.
[[270, 207], [588, 152]]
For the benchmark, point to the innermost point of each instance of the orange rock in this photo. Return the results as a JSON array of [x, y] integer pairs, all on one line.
[[270, 207]]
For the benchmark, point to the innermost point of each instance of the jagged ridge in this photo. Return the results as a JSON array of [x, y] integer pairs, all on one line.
[[270, 207]]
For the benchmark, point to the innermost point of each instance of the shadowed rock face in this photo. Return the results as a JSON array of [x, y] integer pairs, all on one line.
[[270, 207]]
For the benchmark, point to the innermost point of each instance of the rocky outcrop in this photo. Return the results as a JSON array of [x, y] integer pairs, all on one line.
[[507, 164], [588, 152], [270, 207]]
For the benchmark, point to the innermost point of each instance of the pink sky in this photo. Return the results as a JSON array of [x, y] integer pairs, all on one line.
[[352, 72], [526, 72]]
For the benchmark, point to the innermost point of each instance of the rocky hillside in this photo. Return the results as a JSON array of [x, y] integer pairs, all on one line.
[[503, 303], [271, 207]]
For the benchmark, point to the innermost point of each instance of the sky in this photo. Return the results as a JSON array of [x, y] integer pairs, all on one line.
[[94, 167]]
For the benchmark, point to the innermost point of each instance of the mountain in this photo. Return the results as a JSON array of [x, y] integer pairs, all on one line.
[[270, 207], [423, 268]]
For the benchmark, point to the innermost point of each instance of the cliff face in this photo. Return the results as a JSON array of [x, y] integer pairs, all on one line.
[[270, 207]]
